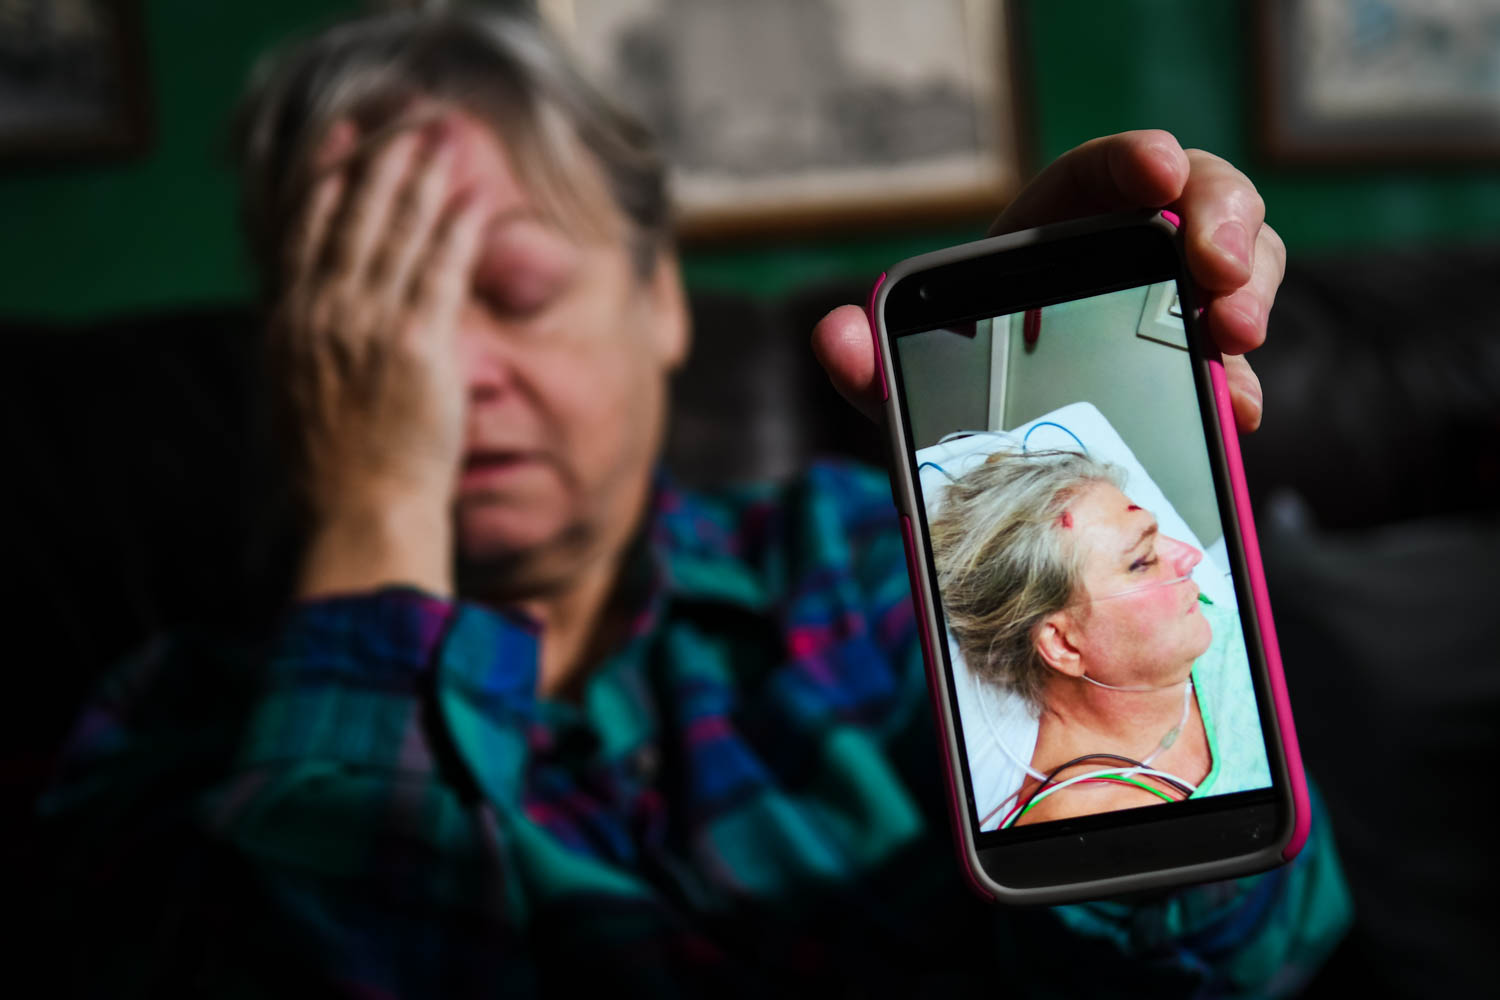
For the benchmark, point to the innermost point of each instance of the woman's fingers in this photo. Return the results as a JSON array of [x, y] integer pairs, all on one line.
[[1244, 392], [1145, 169], [1231, 254], [843, 345], [1237, 320], [1222, 212], [1222, 215], [361, 226], [443, 279], [307, 245], [419, 207], [1235, 258]]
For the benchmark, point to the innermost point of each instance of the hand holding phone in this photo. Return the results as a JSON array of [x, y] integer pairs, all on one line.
[[1128, 171], [1097, 632]]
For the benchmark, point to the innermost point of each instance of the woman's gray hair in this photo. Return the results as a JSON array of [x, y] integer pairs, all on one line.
[[505, 68], [1004, 563]]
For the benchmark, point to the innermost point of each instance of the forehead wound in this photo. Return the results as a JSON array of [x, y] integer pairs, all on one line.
[[1065, 519]]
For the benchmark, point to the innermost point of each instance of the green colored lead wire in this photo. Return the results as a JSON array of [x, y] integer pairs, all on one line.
[[1111, 777]]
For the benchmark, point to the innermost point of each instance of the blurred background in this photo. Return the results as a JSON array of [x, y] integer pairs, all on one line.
[[822, 155], [89, 234]]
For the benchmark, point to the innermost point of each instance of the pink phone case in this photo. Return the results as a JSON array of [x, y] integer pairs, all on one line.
[[1262, 599]]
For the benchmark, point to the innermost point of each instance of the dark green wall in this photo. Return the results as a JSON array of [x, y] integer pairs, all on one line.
[[110, 236], [87, 240], [1102, 66], [1188, 66]]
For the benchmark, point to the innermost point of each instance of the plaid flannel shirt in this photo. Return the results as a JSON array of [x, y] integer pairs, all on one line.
[[373, 801]]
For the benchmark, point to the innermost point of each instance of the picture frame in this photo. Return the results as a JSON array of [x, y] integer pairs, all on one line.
[[788, 116], [1345, 82], [72, 80]]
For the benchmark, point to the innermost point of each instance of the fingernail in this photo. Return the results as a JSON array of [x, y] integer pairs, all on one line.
[[1252, 406], [1232, 240]]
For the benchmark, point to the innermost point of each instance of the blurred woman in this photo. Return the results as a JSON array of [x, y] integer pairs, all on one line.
[[537, 720]]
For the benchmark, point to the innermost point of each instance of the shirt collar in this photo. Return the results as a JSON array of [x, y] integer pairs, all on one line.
[[695, 549], [688, 553]]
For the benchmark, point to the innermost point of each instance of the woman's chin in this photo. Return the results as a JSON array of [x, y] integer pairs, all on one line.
[[488, 531], [1203, 637]]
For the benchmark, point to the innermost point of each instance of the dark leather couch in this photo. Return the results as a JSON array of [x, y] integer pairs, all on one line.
[[139, 496]]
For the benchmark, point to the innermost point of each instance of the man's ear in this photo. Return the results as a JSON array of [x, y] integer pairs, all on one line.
[[671, 333], [1055, 644]]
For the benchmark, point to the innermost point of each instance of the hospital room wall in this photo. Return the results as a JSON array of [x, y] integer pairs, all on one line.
[[1089, 350], [947, 379]]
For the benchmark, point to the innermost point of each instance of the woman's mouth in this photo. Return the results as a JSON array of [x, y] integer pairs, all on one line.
[[494, 467]]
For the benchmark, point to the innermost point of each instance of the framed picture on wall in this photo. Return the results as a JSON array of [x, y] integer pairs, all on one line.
[[1348, 81], [786, 115], [72, 79]]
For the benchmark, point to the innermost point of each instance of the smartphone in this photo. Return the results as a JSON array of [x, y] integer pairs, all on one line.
[[1083, 562]]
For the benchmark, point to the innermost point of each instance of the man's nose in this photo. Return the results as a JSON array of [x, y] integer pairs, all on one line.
[[1180, 555]]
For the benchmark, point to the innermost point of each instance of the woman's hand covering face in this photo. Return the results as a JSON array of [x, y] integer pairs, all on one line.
[[1236, 259], [470, 373], [362, 341]]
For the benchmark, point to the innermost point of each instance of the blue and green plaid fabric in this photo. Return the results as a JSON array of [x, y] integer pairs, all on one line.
[[746, 797]]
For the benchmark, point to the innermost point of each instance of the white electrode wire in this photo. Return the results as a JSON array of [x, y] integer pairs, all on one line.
[[1130, 688], [1123, 772], [955, 435], [989, 721]]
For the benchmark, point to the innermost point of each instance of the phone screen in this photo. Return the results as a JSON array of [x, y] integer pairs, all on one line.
[[1088, 594]]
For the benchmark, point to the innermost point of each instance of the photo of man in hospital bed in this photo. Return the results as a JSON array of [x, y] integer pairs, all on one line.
[[1097, 651]]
